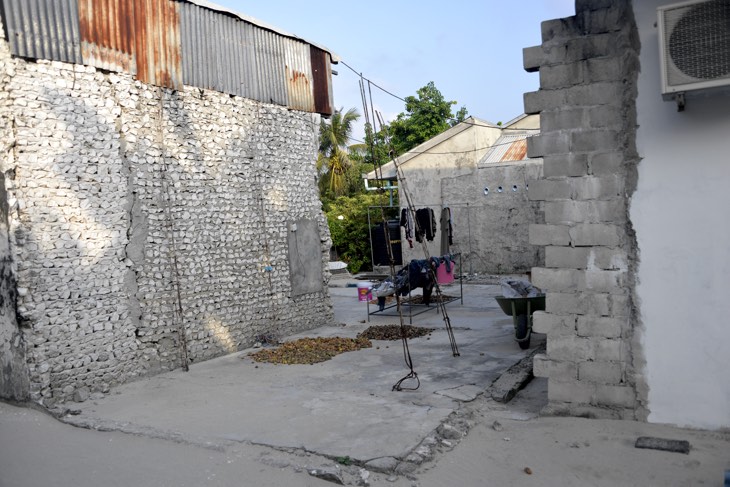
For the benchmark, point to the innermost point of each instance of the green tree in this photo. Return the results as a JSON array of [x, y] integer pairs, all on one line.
[[347, 217], [334, 162], [427, 115]]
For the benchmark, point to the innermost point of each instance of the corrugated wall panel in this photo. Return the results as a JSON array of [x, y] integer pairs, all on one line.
[[157, 43], [43, 29], [270, 65], [214, 50], [321, 80], [299, 75], [107, 34], [171, 42]]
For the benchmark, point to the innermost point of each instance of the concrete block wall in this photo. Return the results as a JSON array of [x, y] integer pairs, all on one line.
[[491, 230], [138, 214], [588, 67]]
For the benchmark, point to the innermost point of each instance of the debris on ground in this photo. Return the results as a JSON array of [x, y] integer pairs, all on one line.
[[393, 332], [653, 443], [329, 475], [310, 350], [435, 298]]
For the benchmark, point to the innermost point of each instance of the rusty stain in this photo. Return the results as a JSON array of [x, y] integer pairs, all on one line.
[[321, 80], [105, 34], [136, 36], [517, 151]]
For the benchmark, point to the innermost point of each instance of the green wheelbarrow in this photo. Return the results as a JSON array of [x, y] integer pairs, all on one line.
[[521, 310]]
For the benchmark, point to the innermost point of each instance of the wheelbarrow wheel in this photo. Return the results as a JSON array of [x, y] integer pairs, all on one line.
[[522, 333]]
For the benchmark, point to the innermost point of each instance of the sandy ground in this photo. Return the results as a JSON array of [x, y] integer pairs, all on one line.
[[37, 450]]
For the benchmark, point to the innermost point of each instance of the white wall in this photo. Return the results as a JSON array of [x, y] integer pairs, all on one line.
[[680, 212]]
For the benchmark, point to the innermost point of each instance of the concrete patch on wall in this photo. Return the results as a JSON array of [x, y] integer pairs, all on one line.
[[305, 264]]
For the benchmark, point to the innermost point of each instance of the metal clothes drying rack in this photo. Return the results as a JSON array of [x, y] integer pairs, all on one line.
[[420, 307]]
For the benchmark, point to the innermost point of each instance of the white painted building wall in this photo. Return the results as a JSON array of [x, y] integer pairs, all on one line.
[[680, 214]]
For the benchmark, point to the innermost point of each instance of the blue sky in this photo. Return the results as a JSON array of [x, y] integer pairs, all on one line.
[[471, 49]]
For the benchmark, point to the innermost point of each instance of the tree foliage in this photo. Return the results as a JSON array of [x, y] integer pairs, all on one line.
[[427, 115], [334, 162], [350, 234]]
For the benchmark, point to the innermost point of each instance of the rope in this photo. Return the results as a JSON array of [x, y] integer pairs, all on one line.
[[412, 375]]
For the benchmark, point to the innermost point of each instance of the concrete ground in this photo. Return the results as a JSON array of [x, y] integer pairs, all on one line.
[[231, 421]]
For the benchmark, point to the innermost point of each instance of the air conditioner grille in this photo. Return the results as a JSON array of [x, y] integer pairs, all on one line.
[[699, 43]]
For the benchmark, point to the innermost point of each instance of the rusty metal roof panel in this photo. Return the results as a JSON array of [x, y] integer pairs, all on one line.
[[509, 147], [157, 42], [43, 29], [516, 151], [171, 42], [107, 34], [321, 80]]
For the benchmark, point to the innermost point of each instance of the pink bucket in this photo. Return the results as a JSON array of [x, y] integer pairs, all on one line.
[[364, 291]]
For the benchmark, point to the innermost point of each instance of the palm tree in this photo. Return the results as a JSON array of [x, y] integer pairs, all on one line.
[[333, 160]]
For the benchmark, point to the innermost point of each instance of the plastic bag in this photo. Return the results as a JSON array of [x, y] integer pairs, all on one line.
[[519, 288]]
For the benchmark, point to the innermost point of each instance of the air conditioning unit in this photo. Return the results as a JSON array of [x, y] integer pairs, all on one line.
[[694, 47]]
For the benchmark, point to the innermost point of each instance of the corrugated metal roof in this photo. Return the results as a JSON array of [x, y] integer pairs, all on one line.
[[157, 42], [106, 44], [509, 147], [43, 29], [171, 43]]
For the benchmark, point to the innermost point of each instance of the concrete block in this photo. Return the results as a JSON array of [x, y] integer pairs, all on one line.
[[594, 140], [609, 349], [548, 144], [554, 325], [583, 6], [606, 93], [605, 117], [611, 282], [576, 349], [565, 165], [555, 280], [600, 372], [620, 305], [566, 257], [540, 234], [591, 187], [554, 30], [600, 18], [602, 234], [591, 211], [537, 101], [570, 391], [588, 47], [556, 369], [549, 189], [578, 303], [601, 326], [608, 259], [561, 75], [562, 119], [533, 58], [607, 163], [614, 396]]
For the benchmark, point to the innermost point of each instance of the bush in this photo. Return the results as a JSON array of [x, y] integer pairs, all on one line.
[[350, 235]]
